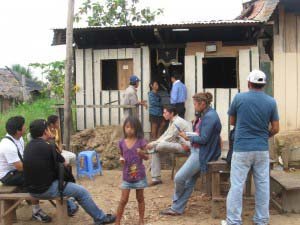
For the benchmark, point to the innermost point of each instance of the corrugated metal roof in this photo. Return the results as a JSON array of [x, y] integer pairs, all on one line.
[[170, 25]]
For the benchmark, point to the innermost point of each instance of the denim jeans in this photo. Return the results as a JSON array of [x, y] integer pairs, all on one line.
[[80, 194], [185, 180], [241, 163]]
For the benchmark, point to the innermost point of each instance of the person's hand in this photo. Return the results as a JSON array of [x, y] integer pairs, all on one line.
[[183, 135], [122, 160], [149, 146], [185, 147], [144, 103]]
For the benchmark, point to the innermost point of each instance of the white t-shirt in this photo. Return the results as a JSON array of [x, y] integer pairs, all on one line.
[[9, 154]]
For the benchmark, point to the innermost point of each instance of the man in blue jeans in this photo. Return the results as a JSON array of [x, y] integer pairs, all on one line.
[[251, 112], [41, 175]]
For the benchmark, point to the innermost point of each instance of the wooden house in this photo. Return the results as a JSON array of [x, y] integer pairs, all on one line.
[[214, 56]]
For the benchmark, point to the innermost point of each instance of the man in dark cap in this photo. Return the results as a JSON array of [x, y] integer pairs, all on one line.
[[131, 98]]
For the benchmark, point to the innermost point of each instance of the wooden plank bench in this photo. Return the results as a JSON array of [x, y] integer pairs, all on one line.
[[10, 199], [216, 169], [285, 191]]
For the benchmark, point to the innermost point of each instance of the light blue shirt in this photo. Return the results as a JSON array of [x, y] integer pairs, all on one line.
[[178, 92], [254, 110]]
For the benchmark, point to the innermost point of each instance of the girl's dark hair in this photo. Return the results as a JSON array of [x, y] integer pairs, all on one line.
[[52, 119], [137, 126], [151, 84]]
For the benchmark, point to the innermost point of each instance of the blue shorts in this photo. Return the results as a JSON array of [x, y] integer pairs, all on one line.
[[141, 184]]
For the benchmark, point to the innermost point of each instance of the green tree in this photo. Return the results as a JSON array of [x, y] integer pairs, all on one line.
[[115, 13], [22, 70], [55, 74]]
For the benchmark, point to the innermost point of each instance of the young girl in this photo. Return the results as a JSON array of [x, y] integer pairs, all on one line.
[[134, 175]]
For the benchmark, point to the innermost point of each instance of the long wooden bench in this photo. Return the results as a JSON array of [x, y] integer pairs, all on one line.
[[10, 198], [285, 191]]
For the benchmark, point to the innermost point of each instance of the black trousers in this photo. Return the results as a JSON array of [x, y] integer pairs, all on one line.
[[180, 108]]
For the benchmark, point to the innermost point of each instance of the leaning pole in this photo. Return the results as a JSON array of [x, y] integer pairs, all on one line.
[[68, 76]]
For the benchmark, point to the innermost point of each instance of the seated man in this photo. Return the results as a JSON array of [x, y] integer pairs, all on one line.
[[41, 174], [168, 142], [11, 161]]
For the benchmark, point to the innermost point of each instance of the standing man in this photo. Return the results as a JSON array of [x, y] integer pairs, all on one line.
[[11, 161], [178, 94], [255, 117], [131, 98], [168, 142]]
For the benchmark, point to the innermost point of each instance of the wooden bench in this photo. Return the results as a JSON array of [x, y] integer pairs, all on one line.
[[175, 157], [10, 198], [285, 191]]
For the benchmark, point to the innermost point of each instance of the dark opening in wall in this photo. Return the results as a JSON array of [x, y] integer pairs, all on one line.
[[109, 75], [219, 72]]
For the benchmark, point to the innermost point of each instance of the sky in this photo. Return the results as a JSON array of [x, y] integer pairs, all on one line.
[[26, 25]]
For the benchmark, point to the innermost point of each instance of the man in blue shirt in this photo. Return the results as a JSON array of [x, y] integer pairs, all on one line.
[[251, 113], [178, 94]]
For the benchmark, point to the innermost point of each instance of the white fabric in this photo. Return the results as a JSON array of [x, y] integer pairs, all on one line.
[[9, 154], [70, 157], [130, 98]]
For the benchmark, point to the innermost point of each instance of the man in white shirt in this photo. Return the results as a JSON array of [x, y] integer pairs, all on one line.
[[11, 161], [168, 142]]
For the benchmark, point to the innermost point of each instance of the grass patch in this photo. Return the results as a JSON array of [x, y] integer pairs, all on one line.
[[39, 109]]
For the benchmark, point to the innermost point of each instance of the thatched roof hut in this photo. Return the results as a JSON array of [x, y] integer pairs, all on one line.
[[10, 87]]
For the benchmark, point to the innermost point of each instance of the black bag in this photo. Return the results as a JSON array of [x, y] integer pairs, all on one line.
[[230, 151], [13, 178]]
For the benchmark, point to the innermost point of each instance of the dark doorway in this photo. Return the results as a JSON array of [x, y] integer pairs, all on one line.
[[109, 75], [219, 73]]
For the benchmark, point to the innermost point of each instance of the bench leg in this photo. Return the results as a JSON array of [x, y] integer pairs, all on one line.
[[7, 219], [62, 212]]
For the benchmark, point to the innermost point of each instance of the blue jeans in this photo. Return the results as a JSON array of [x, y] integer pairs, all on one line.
[[241, 163], [185, 180], [80, 194]]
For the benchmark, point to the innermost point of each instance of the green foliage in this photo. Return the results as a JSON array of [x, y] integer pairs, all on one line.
[[115, 12], [40, 109], [22, 70], [55, 74]]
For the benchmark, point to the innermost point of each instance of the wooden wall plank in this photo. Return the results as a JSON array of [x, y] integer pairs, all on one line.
[[129, 53], [145, 88], [200, 56], [97, 84], [222, 109], [189, 74], [89, 88], [104, 54], [298, 72], [137, 68], [279, 69], [114, 112], [291, 71], [105, 111], [80, 93], [112, 53], [244, 68], [255, 58], [121, 53]]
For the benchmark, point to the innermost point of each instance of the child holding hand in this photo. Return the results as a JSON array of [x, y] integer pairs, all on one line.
[[134, 174]]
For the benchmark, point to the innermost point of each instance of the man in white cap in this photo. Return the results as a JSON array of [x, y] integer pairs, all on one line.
[[131, 98], [251, 112]]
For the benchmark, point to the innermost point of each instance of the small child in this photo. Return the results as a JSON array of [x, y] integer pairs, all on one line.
[[134, 175]]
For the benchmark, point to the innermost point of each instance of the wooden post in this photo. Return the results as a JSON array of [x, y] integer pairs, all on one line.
[[68, 76]]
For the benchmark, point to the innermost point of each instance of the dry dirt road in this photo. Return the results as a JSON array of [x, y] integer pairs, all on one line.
[[105, 191]]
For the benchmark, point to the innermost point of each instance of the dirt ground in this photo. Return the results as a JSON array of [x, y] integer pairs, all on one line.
[[105, 191]]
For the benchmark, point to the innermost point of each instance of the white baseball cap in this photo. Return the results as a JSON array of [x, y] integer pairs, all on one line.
[[257, 77]]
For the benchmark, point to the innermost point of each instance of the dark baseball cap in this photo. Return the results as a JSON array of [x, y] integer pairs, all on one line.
[[134, 79]]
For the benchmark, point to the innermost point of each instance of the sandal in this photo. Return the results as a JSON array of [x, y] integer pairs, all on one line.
[[169, 212]]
